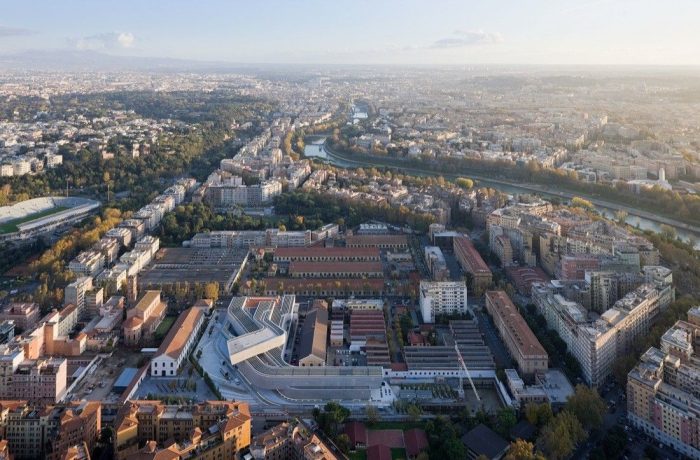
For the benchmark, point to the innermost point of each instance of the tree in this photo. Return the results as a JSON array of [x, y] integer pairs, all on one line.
[[343, 442], [587, 406], [443, 439], [621, 216], [414, 412], [523, 450], [211, 291], [337, 415], [464, 182], [559, 438], [372, 414], [668, 232], [579, 202], [538, 414], [505, 421]]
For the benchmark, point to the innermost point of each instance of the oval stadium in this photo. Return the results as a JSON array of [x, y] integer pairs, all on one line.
[[32, 218]]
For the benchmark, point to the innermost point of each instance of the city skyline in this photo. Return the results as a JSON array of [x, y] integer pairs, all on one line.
[[597, 32]]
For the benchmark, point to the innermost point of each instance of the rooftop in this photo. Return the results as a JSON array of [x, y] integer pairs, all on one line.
[[179, 332]]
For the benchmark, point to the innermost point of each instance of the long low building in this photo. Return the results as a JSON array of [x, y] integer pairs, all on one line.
[[322, 254], [320, 287], [393, 242], [194, 266], [178, 343], [477, 357], [472, 263], [336, 270], [522, 344], [466, 336]]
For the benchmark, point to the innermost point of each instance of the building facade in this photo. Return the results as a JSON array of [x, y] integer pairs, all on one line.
[[442, 298]]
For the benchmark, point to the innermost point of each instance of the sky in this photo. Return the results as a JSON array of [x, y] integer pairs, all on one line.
[[548, 32]]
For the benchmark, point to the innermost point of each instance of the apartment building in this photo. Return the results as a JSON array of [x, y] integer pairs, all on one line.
[[663, 396], [435, 260], [503, 249], [75, 292], [442, 298], [522, 344], [49, 431], [38, 381], [473, 264], [208, 430], [596, 344], [24, 314], [325, 232], [121, 234], [87, 263], [109, 248], [290, 441], [288, 239]]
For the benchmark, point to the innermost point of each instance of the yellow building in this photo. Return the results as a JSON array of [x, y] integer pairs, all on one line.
[[209, 430]]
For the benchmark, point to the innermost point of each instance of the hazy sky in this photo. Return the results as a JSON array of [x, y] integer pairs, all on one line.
[[363, 31]]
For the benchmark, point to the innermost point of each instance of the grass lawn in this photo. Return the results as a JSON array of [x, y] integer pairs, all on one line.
[[164, 327], [11, 226], [398, 453], [360, 454]]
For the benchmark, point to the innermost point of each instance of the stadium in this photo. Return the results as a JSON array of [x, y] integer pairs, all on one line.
[[31, 218]]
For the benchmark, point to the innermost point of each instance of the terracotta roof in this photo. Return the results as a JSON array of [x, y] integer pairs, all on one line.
[[148, 298], [378, 452], [335, 267], [326, 284], [415, 440], [326, 252], [132, 322], [464, 245], [357, 432], [179, 332], [514, 322]]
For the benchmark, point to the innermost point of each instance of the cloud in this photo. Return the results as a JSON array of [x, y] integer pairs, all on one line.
[[106, 41], [462, 38], [6, 31]]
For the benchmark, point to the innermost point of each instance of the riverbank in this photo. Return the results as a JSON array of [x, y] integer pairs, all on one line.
[[323, 151]]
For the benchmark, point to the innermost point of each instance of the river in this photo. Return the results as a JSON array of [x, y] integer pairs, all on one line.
[[315, 148]]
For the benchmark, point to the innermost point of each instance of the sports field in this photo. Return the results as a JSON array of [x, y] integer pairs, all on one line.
[[11, 226]]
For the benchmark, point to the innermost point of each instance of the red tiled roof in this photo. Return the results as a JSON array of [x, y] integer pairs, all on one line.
[[415, 440], [326, 252], [378, 452], [335, 267], [357, 432], [464, 245], [389, 438]]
